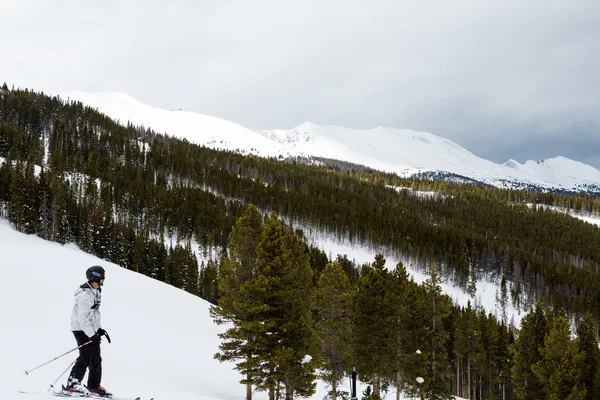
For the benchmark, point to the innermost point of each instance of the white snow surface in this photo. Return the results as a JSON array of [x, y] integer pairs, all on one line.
[[402, 151], [162, 337]]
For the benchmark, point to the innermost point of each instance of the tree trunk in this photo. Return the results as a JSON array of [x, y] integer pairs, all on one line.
[[376, 387], [433, 359], [458, 376], [289, 392], [469, 377], [334, 388], [248, 390], [398, 385]]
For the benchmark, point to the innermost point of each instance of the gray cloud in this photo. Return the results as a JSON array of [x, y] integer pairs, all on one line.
[[496, 77]]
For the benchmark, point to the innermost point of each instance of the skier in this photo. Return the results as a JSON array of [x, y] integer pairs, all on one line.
[[85, 325]]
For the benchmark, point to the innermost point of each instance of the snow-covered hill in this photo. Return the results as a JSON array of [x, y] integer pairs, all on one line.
[[403, 151], [196, 128], [407, 152], [162, 337]]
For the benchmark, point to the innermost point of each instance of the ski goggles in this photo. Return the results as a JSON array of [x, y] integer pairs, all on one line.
[[98, 275]]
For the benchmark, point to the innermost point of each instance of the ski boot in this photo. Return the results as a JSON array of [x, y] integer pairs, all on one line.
[[99, 392], [75, 387]]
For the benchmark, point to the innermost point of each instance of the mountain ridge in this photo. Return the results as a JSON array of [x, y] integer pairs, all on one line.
[[405, 152]]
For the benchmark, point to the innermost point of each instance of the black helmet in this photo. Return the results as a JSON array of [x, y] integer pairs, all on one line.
[[94, 273]]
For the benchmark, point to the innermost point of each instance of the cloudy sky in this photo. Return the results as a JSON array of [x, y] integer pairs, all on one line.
[[505, 79]]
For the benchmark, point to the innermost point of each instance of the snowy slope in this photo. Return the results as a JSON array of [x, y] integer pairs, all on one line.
[[162, 338], [196, 128], [406, 151]]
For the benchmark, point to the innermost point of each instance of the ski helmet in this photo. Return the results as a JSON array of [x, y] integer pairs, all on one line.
[[94, 273]]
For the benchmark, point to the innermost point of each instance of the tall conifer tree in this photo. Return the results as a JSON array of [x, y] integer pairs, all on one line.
[[534, 327], [560, 367], [235, 271], [587, 336], [334, 324], [374, 325]]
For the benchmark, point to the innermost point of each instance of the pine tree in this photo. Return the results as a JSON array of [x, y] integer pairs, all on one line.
[[438, 372], [191, 271], [404, 304], [561, 364], [505, 340], [334, 318], [472, 282], [262, 306], [587, 337], [138, 260], [5, 184], [44, 194], [373, 325], [236, 270], [276, 305], [471, 343], [18, 197], [209, 278], [487, 356], [99, 234], [526, 353], [4, 146], [348, 267], [58, 209], [31, 200], [502, 299], [418, 342], [299, 340], [243, 241]]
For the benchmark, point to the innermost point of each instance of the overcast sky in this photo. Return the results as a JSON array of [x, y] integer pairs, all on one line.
[[505, 79]]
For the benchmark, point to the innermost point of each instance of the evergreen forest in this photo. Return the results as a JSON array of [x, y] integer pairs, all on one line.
[[148, 202]]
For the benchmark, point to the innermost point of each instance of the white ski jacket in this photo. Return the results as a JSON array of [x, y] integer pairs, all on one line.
[[86, 310]]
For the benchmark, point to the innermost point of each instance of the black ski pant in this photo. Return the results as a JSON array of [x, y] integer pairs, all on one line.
[[89, 357]]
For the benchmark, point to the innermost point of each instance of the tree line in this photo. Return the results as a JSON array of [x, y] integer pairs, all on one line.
[[287, 325]]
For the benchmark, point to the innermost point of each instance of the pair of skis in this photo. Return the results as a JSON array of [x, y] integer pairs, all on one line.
[[65, 393]]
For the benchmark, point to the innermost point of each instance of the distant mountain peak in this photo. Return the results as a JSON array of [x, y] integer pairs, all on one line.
[[403, 151], [512, 164]]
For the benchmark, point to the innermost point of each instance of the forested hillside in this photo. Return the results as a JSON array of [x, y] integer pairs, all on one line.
[[137, 185], [71, 174]]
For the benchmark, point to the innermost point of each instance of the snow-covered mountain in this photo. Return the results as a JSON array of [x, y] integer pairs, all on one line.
[[402, 151], [196, 128], [408, 152]]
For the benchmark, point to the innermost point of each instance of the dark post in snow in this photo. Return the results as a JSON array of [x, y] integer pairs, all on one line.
[[353, 385]]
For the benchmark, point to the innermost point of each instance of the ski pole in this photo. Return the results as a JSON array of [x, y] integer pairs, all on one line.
[[56, 358], [66, 369]]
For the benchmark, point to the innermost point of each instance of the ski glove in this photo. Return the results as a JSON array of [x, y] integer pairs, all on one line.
[[96, 338], [102, 332]]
